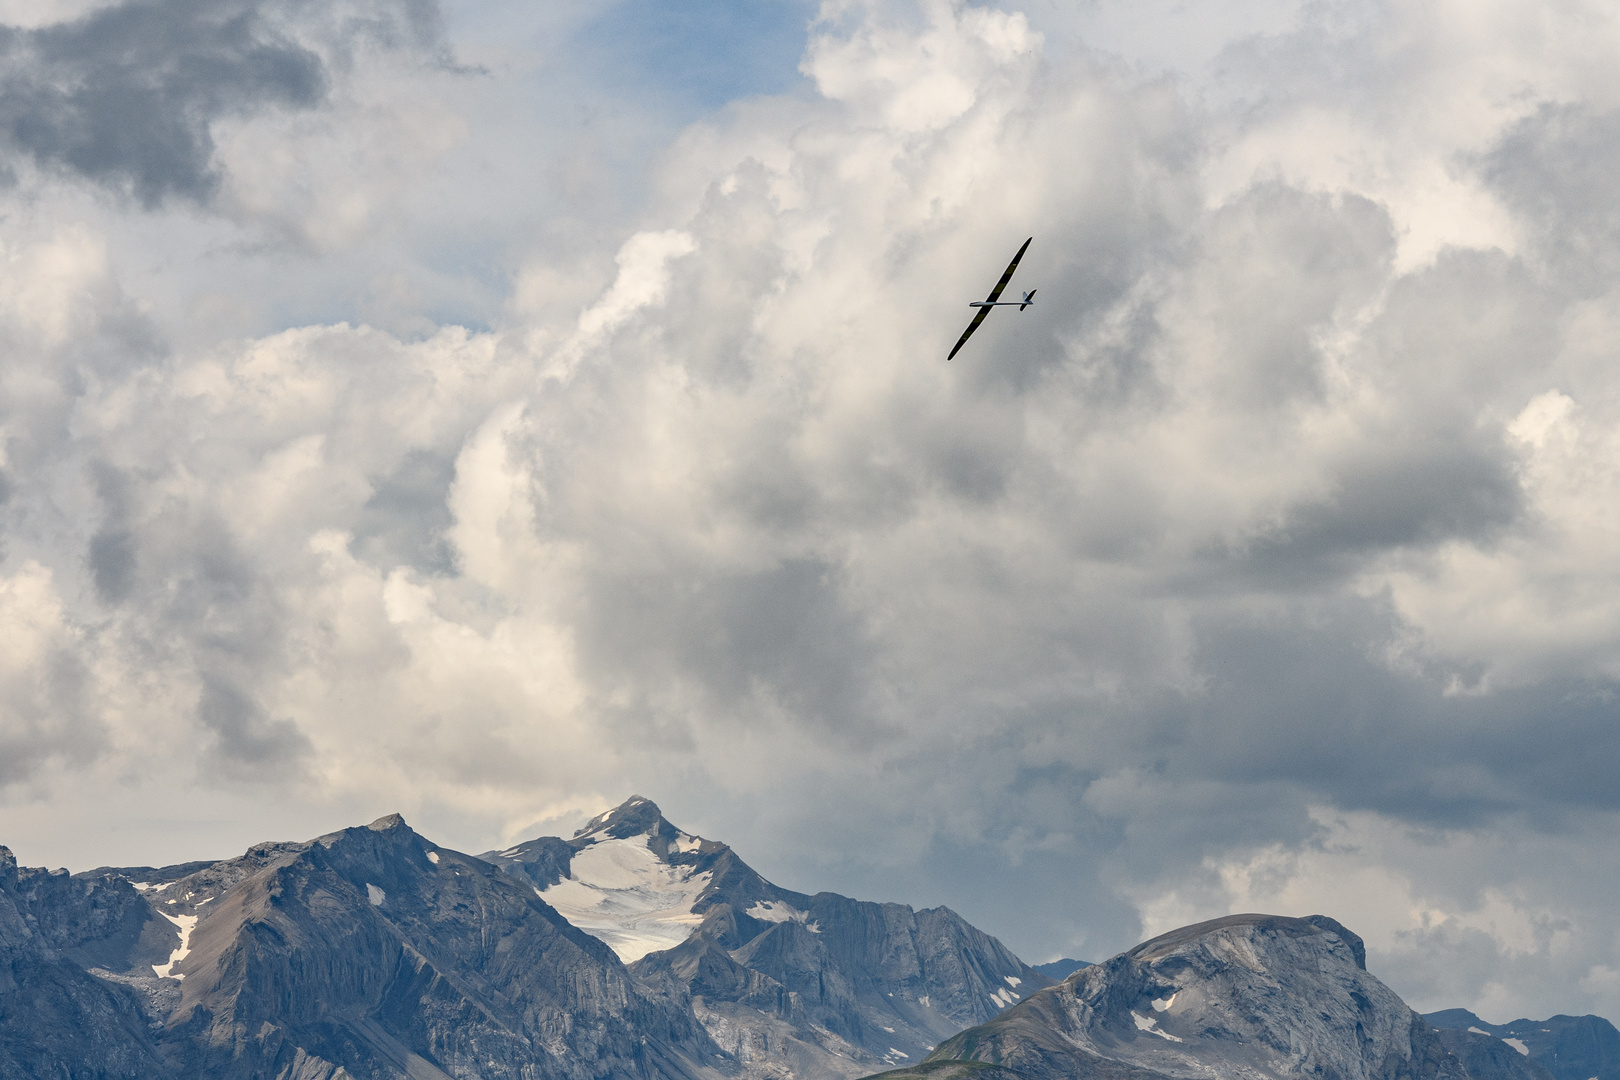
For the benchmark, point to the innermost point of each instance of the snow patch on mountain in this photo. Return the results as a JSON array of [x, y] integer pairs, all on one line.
[[1151, 1026], [779, 911], [1519, 1046], [621, 892], [186, 924]]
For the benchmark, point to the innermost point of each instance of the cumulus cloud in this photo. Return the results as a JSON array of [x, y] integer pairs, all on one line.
[[43, 680], [1264, 562]]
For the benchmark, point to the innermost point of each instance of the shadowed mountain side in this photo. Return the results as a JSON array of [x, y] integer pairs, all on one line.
[[52, 1010], [1246, 996], [1485, 1057], [1569, 1047], [1059, 970], [370, 952]]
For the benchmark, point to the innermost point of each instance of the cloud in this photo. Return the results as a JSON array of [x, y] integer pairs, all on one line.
[[47, 707], [125, 95], [404, 521], [1547, 168]]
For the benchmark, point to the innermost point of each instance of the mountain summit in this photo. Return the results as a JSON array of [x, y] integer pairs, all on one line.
[[1245, 997], [631, 878], [821, 984]]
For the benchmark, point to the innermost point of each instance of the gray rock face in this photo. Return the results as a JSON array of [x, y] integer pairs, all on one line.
[[1247, 997], [56, 1019], [788, 983], [375, 952], [1485, 1057], [876, 984], [1569, 1047]]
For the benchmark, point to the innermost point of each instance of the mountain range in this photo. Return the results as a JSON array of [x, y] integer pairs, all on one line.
[[636, 950], [633, 949]]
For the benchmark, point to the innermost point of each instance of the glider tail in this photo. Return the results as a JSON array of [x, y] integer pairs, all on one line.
[[1029, 298]]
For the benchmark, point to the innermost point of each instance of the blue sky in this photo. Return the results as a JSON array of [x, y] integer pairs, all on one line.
[[695, 58]]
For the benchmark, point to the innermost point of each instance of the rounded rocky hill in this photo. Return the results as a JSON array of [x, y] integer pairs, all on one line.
[[1246, 997]]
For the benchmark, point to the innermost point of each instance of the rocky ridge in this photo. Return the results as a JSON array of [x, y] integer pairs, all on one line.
[[1567, 1047]]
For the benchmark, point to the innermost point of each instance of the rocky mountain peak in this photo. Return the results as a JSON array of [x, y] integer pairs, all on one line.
[[628, 877], [635, 816], [786, 982], [1242, 996], [383, 824]]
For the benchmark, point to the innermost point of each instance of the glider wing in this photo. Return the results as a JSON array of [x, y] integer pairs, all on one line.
[[972, 326], [995, 294]]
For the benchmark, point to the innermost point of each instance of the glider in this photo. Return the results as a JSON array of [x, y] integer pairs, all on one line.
[[994, 300]]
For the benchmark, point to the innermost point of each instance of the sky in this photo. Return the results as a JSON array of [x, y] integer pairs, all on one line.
[[488, 410]]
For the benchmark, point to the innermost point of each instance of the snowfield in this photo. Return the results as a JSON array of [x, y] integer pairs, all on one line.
[[622, 893]]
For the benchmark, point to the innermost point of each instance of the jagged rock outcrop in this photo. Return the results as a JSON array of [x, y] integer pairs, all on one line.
[[812, 985], [52, 1010], [1246, 997], [1568, 1047]]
